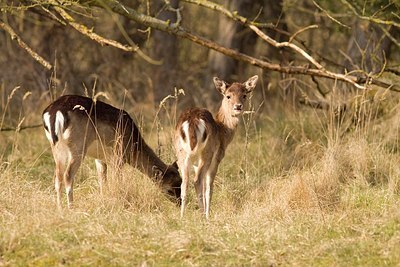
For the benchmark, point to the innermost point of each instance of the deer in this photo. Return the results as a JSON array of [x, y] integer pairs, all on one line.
[[77, 126], [199, 136]]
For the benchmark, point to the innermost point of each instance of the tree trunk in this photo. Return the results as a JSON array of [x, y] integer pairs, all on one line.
[[165, 48], [233, 35]]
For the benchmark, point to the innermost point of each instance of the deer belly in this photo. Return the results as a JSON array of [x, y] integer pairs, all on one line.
[[100, 150]]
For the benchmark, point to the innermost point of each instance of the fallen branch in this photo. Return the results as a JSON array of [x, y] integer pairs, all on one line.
[[22, 44], [18, 129], [314, 104]]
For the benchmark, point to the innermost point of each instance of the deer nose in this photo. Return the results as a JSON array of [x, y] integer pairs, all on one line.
[[238, 106]]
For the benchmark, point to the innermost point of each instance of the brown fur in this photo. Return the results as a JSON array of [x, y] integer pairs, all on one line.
[[193, 116], [218, 134], [101, 125]]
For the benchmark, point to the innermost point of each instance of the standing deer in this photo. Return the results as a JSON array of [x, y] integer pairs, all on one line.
[[199, 136], [77, 125]]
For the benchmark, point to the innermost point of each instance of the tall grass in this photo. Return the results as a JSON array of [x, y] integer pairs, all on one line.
[[297, 187]]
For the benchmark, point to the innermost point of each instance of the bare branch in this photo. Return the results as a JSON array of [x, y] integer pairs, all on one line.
[[285, 44], [387, 33], [330, 16], [302, 30], [233, 15], [372, 19], [22, 44], [314, 103], [179, 31], [101, 40]]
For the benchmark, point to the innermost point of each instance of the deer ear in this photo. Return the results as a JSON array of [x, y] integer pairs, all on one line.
[[251, 83], [158, 173], [175, 165], [220, 85]]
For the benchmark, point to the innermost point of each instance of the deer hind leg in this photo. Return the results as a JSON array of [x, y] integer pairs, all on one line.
[[209, 183], [101, 168], [58, 178], [76, 156], [184, 166], [202, 169], [70, 173], [199, 185], [209, 187], [60, 154]]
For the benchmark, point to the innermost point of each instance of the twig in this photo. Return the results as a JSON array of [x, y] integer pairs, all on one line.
[[375, 20], [22, 44], [178, 14], [322, 93], [388, 35], [233, 15], [330, 16], [285, 44], [245, 21], [302, 30], [161, 25], [101, 40]]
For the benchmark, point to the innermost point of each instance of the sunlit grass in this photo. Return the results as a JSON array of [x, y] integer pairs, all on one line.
[[293, 195]]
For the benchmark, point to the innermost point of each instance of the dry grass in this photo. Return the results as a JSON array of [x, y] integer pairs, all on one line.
[[301, 194]]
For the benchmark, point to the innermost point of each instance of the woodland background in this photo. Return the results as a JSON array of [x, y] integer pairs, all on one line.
[[312, 177]]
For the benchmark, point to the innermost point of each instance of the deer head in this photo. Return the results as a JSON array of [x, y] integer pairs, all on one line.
[[170, 180], [235, 95]]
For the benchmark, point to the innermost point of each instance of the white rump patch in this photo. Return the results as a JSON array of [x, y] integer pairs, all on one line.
[[200, 130], [59, 123], [67, 133], [186, 143], [46, 119]]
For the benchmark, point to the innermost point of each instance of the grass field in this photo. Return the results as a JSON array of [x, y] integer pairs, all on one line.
[[295, 188]]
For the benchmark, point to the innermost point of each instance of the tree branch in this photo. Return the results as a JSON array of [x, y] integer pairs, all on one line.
[[233, 15], [336, 76], [22, 44], [101, 40], [179, 31], [372, 19], [330, 16], [301, 31], [285, 44]]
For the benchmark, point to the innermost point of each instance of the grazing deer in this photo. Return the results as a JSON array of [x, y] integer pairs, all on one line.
[[77, 125], [199, 135]]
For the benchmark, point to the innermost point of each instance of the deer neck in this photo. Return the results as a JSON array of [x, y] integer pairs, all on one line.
[[227, 123], [145, 159]]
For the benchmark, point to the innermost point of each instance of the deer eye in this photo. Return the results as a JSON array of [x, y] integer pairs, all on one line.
[[228, 96]]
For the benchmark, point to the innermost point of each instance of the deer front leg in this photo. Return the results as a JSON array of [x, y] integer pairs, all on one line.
[[101, 168], [58, 178], [184, 167]]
